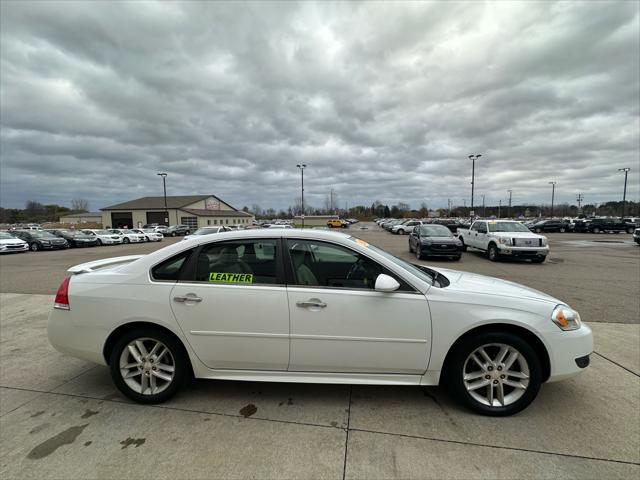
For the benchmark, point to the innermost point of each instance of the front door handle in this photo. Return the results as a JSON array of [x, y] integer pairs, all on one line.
[[312, 302], [187, 298]]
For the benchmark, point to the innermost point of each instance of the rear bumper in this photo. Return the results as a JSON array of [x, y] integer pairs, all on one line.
[[569, 352], [78, 341]]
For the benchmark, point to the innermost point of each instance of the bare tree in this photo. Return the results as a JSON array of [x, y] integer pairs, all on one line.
[[80, 205]]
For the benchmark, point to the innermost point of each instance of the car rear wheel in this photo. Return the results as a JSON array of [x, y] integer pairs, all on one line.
[[493, 253], [596, 230], [562, 230], [494, 373], [629, 230], [99, 242], [148, 365], [464, 246], [410, 247], [125, 240], [173, 234]]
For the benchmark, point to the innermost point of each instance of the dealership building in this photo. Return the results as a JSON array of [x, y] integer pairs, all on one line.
[[192, 210]]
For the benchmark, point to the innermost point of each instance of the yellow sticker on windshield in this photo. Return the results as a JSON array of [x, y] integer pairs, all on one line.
[[361, 242], [230, 277]]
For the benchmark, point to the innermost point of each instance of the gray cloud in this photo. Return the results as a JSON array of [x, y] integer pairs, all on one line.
[[381, 100]]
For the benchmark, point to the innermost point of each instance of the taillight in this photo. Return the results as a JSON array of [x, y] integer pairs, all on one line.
[[62, 297]]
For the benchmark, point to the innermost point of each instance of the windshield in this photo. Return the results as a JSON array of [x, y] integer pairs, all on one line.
[[43, 235], [435, 231], [6, 236], [507, 227], [102, 232], [422, 275]]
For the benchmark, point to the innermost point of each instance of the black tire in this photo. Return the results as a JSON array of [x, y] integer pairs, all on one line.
[[187, 232], [492, 252], [596, 230], [418, 252], [630, 230], [173, 234], [562, 230], [99, 243], [410, 247], [454, 371], [464, 245], [125, 240], [538, 230], [457, 259], [34, 247], [538, 259], [181, 365]]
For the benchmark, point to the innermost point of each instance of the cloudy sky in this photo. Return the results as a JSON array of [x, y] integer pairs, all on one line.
[[381, 100]]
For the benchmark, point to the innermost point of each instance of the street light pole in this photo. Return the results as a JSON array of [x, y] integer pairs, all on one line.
[[302, 166], [500, 208], [484, 212], [510, 193], [624, 194], [473, 159], [553, 192], [164, 188]]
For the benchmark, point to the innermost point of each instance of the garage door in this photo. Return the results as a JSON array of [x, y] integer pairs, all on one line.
[[121, 220], [157, 217], [191, 222]]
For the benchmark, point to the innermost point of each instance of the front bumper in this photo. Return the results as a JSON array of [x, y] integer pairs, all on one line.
[[567, 352], [523, 251], [435, 250], [21, 248]]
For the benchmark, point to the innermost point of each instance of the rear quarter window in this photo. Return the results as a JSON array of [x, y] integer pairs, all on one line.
[[169, 270]]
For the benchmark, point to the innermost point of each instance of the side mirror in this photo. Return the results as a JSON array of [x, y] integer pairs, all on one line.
[[385, 283]]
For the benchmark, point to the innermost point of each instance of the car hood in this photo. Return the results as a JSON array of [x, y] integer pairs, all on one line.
[[439, 239], [517, 234], [12, 241], [491, 286]]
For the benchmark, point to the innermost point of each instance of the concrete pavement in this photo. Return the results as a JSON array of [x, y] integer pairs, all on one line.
[[62, 418]]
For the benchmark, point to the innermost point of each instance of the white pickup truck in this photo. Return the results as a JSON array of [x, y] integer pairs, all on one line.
[[504, 237]]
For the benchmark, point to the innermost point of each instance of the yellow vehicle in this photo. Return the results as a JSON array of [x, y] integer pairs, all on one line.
[[336, 223]]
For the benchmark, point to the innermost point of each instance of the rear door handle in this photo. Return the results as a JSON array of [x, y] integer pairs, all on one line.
[[311, 303], [187, 298]]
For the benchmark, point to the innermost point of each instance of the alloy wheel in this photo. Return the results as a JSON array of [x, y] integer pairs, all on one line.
[[496, 375], [147, 366], [418, 252], [34, 247]]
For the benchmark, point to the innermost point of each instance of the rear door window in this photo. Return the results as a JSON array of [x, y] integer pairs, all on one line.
[[239, 262]]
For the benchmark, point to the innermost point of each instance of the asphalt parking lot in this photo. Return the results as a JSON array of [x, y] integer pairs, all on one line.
[[62, 418]]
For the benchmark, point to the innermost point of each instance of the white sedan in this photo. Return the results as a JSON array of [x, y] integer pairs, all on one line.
[[128, 236], [149, 234], [9, 243], [314, 307], [104, 237]]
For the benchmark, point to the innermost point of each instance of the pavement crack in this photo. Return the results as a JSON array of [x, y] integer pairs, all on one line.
[[616, 363], [346, 441]]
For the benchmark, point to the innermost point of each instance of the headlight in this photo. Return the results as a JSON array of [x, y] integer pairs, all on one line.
[[566, 318], [544, 241], [504, 240], [45, 242]]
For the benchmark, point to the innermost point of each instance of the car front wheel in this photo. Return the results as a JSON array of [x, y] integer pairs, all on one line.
[[125, 240], [418, 252], [148, 365], [494, 373], [493, 253], [34, 247]]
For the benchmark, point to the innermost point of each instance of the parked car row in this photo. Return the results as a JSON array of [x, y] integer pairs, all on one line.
[[404, 226], [61, 238], [592, 225]]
